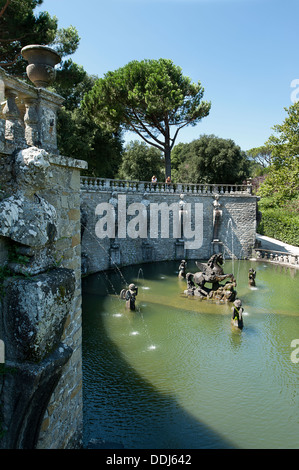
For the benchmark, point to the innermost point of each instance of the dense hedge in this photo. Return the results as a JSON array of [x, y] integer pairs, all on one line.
[[279, 223]]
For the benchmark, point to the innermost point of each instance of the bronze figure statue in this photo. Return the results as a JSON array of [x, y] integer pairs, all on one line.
[[129, 295], [251, 277], [211, 272]]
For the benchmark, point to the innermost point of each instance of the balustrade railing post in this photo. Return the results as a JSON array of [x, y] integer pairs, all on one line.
[[28, 117], [105, 184], [14, 129], [31, 122]]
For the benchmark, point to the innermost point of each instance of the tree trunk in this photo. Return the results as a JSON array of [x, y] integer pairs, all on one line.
[[167, 153]]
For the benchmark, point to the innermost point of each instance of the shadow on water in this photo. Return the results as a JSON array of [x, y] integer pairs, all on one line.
[[111, 282], [181, 393], [124, 410]]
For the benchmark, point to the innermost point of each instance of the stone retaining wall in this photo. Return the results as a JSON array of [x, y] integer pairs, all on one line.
[[236, 235], [41, 402], [63, 421]]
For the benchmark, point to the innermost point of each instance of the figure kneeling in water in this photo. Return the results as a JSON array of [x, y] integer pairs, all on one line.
[[237, 317]]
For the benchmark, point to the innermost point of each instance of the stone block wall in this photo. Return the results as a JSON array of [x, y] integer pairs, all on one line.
[[236, 232], [63, 420], [28, 123], [62, 424]]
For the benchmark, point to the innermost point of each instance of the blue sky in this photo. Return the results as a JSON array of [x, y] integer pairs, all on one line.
[[244, 52]]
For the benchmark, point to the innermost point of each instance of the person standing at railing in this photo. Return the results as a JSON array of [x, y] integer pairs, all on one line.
[[168, 180], [154, 180]]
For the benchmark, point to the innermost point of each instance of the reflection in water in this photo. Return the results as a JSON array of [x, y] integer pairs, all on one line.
[[174, 374]]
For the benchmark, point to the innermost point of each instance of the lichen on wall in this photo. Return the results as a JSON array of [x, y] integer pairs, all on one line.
[[41, 302], [35, 313]]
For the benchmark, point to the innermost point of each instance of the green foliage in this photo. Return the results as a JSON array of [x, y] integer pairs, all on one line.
[[292, 206], [285, 144], [147, 97], [259, 161], [256, 182], [178, 155], [79, 137], [267, 203], [279, 192], [260, 155], [72, 82], [280, 223], [141, 162], [210, 159], [282, 182], [66, 41], [19, 27]]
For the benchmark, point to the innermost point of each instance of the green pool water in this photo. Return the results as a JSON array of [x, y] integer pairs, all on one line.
[[175, 375]]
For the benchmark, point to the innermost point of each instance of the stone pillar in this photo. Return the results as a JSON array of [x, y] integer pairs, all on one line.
[[14, 130], [47, 108], [40, 316], [31, 122], [63, 419]]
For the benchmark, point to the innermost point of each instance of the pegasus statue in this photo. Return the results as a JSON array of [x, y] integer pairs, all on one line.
[[211, 272]]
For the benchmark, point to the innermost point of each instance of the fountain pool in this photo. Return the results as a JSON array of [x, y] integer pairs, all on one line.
[[175, 375]]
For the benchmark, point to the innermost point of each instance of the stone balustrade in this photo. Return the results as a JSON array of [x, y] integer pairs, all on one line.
[[280, 257], [104, 184], [27, 115]]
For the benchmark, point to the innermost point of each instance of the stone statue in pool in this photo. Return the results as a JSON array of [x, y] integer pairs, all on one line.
[[251, 277], [212, 273], [182, 269], [237, 317], [129, 295]]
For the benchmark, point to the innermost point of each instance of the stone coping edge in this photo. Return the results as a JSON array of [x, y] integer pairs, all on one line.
[[61, 160]]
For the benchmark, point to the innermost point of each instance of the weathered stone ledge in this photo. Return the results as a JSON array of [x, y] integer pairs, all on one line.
[[23, 89], [69, 162]]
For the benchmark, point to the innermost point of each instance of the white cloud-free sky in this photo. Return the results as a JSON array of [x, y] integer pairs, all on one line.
[[244, 52]]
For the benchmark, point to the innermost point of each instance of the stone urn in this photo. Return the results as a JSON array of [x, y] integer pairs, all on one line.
[[42, 60]]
